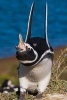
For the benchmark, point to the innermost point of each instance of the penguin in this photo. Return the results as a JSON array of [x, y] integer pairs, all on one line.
[[7, 87], [35, 57], [7, 84]]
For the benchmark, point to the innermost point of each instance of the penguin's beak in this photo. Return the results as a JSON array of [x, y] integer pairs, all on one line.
[[21, 46]]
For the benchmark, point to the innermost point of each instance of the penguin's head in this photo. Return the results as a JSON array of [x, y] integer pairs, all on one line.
[[25, 52], [32, 51]]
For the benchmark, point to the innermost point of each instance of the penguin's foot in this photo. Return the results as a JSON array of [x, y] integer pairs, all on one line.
[[39, 96], [22, 96]]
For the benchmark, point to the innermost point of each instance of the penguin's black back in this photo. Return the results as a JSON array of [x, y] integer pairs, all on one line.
[[39, 44]]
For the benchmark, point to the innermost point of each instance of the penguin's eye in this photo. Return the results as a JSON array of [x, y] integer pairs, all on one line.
[[34, 44], [29, 49]]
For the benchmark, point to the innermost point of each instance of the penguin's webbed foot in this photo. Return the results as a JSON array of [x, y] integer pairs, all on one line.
[[22, 96], [39, 96]]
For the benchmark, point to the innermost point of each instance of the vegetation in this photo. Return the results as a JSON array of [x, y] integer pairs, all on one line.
[[59, 67]]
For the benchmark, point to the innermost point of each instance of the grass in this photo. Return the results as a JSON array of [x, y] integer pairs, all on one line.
[[10, 96], [59, 67], [56, 85]]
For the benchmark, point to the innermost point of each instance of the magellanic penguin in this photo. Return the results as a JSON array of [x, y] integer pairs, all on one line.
[[36, 57]]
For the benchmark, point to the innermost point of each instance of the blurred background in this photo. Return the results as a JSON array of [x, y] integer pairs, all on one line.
[[14, 17]]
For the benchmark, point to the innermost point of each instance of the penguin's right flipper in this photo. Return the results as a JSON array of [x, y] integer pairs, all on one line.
[[29, 23], [46, 26]]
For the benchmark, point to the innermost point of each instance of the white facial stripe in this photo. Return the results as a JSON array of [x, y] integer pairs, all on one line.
[[29, 61], [26, 44], [48, 51]]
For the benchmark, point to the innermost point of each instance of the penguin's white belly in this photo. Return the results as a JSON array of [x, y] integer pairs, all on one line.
[[30, 77], [40, 71]]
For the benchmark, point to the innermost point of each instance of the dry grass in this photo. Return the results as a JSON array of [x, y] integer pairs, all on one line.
[[10, 96], [59, 67]]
